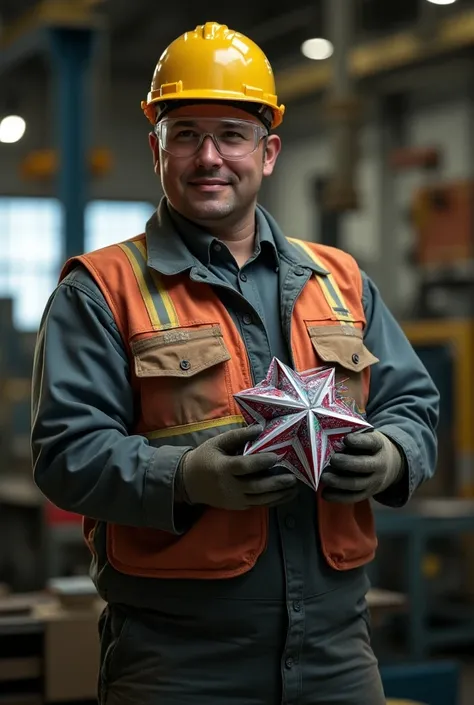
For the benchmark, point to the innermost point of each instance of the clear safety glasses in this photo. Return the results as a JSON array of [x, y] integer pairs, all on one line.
[[233, 139]]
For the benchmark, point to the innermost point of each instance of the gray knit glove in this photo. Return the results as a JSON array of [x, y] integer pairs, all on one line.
[[368, 465], [218, 475]]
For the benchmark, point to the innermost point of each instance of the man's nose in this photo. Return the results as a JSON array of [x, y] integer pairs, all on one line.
[[208, 156]]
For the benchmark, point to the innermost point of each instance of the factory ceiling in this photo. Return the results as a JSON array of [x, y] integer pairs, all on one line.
[[140, 30]]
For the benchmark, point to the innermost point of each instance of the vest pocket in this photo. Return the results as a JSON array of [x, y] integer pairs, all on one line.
[[182, 376], [343, 348]]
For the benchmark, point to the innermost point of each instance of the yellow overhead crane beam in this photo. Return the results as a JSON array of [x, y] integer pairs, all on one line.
[[370, 59]]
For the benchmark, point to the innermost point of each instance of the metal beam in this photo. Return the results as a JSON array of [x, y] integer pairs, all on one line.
[[342, 110], [71, 50], [27, 35]]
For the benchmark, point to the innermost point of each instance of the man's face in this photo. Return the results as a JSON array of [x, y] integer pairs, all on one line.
[[207, 187]]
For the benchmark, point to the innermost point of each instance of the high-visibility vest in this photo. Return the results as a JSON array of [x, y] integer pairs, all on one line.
[[187, 360]]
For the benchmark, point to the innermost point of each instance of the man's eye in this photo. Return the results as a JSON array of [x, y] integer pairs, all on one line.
[[185, 134]]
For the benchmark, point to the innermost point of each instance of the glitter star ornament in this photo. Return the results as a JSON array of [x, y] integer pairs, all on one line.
[[305, 418]]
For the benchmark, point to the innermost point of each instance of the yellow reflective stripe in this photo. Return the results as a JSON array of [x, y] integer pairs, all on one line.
[[194, 427], [165, 297], [329, 286], [146, 296]]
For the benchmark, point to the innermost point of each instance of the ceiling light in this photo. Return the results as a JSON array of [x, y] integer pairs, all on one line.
[[12, 129], [442, 2], [317, 49]]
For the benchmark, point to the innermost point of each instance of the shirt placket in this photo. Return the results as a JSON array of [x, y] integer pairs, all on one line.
[[293, 557]]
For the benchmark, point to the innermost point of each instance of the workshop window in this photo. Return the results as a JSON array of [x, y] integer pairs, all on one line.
[[108, 222], [31, 251]]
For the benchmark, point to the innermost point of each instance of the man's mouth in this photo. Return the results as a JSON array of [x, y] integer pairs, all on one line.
[[204, 184]]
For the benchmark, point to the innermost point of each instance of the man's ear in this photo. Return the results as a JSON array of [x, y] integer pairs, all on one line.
[[155, 150], [272, 150]]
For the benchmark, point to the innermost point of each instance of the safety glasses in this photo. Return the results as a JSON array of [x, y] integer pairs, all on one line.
[[234, 139]]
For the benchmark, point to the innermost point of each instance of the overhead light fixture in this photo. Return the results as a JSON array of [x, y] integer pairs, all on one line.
[[317, 49], [442, 2], [12, 129]]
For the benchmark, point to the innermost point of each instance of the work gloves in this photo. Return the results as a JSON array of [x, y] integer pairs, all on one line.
[[368, 465], [218, 475]]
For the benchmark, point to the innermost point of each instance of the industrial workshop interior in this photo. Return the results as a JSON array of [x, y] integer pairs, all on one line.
[[377, 160]]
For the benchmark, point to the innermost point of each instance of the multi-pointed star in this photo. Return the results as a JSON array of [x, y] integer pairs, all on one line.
[[304, 417]]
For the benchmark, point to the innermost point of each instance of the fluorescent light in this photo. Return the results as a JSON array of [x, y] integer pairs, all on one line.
[[12, 129], [442, 2], [317, 49]]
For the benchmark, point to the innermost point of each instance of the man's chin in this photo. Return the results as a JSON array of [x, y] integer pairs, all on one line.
[[209, 211]]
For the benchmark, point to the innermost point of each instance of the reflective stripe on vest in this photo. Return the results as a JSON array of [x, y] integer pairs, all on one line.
[[194, 434], [329, 286], [199, 426], [158, 302]]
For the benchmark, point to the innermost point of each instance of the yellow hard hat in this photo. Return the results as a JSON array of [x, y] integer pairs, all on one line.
[[213, 63]]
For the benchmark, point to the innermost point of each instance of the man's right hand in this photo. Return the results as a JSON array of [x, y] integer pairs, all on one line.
[[218, 475]]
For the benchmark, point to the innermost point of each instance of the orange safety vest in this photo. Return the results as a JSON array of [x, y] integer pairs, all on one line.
[[187, 361]]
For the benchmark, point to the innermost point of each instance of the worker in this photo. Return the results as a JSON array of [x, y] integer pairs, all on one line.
[[226, 579]]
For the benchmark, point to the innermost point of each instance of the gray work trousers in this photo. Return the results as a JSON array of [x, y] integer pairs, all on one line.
[[219, 653]]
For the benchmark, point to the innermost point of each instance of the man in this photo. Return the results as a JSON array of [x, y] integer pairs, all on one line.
[[227, 580]]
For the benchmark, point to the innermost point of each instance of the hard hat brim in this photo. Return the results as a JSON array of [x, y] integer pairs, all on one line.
[[155, 97]]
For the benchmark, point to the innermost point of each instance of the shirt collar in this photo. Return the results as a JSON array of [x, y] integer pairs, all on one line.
[[169, 253]]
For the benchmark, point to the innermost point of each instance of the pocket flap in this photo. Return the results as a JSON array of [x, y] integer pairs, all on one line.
[[179, 352], [343, 347]]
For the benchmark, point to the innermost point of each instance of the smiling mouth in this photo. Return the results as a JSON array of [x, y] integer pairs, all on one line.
[[209, 184]]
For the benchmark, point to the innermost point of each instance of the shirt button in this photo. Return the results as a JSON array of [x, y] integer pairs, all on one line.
[[217, 247], [355, 359], [247, 319], [243, 277], [185, 365], [299, 272], [290, 522], [297, 605], [289, 663]]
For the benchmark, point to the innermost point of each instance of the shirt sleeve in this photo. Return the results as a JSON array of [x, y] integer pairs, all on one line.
[[403, 399], [86, 458]]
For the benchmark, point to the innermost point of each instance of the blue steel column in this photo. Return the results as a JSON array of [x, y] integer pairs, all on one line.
[[71, 51]]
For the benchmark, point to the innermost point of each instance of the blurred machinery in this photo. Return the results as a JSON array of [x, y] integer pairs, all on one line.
[[436, 533], [443, 220]]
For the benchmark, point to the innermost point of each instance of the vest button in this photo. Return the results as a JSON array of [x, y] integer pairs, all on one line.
[[289, 663], [297, 605], [185, 365], [355, 359]]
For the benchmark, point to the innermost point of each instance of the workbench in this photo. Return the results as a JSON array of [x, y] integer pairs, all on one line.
[[49, 651], [420, 521]]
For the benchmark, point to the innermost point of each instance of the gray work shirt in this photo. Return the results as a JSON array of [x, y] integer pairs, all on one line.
[[87, 461]]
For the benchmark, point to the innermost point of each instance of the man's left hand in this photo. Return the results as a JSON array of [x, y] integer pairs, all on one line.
[[367, 466]]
